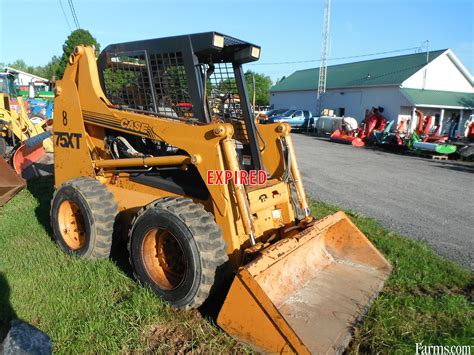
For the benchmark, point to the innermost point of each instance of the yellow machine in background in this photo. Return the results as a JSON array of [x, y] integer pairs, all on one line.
[[20, 139], [128, 158]]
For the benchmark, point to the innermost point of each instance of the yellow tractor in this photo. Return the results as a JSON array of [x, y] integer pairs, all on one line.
[[21, 140], [212, 202]]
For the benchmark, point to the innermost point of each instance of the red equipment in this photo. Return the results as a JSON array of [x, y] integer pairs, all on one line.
[[373, 121], [339, 136], [470, 132], [25, 156], [423, 129]]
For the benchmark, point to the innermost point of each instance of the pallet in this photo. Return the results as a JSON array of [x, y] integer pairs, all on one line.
[[422, 154]]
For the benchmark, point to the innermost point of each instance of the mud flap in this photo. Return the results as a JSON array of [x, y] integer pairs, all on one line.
[[10, 183], [305, 293]]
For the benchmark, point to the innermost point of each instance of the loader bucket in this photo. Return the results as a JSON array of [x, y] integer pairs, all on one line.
[[10, 183], [305, 293]]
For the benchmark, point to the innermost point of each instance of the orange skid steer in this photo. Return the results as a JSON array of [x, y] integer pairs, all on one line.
[[136, 133]]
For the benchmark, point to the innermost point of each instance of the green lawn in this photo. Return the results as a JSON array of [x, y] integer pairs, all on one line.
[[95, 307]]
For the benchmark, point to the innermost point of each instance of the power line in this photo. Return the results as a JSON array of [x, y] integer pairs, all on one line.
[[64, 13], [338, 58], [74, 16], [73, 12]]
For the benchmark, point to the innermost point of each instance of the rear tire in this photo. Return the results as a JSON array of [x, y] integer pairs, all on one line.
[[177, 250], [83, 213]]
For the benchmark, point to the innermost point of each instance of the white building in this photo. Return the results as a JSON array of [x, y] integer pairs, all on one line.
[[24, 79], [437, 84]]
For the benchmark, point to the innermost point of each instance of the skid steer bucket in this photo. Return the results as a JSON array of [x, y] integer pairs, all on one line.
[[305, 293], [10, 183]]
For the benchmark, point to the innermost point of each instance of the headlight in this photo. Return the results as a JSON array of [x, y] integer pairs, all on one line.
[[255, 52], [218, 41]]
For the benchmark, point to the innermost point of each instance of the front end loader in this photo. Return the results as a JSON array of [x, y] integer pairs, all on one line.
[[21, 141], [156, 142]]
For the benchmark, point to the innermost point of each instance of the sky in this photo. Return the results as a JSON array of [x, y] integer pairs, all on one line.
[[287, 31]]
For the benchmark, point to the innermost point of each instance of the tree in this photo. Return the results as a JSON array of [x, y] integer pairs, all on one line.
[[52, 68], [20, 64], [56, 66], [263, 83], [76, 37]]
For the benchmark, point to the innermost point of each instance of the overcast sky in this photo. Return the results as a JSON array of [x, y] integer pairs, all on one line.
[[34, 30]]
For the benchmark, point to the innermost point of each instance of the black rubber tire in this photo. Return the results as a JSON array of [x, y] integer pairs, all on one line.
[[12, 152], [201, 242], [99, 211], [3, 147]]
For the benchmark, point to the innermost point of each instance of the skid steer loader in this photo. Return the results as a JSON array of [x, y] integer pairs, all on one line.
[[135, 136], [21, 141]]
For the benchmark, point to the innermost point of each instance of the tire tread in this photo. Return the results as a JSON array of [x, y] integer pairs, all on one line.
[[206, 233], [104, 211]]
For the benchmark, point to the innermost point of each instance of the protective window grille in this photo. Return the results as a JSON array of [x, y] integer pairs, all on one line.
[[222, 92], [156, 83], [170, 84], [127, 82], [224, 99]]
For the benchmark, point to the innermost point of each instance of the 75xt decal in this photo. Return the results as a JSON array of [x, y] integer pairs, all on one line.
[[68, 140]]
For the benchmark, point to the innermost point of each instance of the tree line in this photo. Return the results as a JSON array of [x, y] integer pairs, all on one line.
[[54, 69]]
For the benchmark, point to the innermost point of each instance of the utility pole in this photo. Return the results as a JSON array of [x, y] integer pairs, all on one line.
[[324, 55], [427, 60]]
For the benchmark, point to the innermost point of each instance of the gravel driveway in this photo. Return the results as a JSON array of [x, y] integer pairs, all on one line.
[[421, 198]]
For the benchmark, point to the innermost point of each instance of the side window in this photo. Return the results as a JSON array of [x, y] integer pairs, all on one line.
[[298, 114]]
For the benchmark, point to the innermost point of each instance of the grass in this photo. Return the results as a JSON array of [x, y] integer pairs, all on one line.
[[426, 299], [97, 308]]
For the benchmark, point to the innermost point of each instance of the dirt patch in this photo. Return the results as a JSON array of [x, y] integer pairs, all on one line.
[[170, 339]]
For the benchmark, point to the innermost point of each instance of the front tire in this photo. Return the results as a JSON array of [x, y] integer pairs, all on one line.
[[177, 250], [83, 213]]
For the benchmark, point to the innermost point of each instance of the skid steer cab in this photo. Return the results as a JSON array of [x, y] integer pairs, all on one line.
[[137, 133]]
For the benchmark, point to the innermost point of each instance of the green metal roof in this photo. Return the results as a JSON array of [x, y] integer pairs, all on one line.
[[382, 71], [420, 97]]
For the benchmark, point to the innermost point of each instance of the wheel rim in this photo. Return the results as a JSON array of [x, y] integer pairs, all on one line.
[[71, 225], [163, 259]]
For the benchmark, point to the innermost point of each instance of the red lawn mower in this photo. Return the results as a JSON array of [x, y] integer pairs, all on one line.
[[373, 122]]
